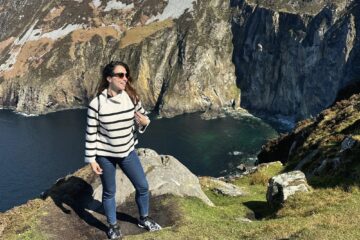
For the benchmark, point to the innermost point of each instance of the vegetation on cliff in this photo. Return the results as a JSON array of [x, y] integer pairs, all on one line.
[[326, 147]]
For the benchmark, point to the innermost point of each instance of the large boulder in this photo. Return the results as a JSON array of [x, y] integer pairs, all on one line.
[[284, 185], [165, 174]]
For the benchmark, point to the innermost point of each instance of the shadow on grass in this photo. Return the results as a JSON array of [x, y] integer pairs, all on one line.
[[76, 193], [260, 209]]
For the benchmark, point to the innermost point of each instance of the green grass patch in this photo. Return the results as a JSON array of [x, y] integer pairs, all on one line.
[[324, 213], [26, 227]]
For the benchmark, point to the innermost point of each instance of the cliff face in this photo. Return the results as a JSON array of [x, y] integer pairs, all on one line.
[[287, 57], [293, 57], [52, 57]]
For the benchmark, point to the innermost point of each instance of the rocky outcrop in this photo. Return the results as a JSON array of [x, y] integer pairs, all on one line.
[[293, 57], [284, 185], [326, 146], [165, 174]]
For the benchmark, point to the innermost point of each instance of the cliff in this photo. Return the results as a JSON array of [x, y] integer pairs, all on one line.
[[293, 57], [287, 58], [52, 59]]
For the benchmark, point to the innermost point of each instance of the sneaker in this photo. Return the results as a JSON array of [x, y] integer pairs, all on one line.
[[114, 232], [149, 224]]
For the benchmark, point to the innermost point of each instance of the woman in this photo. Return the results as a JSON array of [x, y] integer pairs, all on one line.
[[111, 140]]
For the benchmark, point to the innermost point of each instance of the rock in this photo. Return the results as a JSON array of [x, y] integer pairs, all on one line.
[[348, 143], [221, 187], [276, 47], [165, 174], [247, 169], [241, 167], [46, 67], [309, 157], [243, 219], [284, 185], [212, 114], [327, 164]]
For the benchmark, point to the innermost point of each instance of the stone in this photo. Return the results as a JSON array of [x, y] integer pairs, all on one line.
[[221, 187], [241, 167], [347, 143], [165, 174], [307, 159], [284, 185], [243, 219], [326, 165]]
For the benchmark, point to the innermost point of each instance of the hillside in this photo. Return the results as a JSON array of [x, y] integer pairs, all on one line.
[[326, 147]]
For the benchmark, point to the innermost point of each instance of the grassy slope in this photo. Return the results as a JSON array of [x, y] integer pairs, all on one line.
[[324, 213], [330, 213]]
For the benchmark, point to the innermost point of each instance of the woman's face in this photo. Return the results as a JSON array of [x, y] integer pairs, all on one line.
[[118, 81]]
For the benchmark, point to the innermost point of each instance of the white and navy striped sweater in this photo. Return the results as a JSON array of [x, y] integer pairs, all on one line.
[[111, 126]]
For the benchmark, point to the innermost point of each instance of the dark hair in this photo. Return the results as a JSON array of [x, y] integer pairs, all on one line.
[[108, 71]]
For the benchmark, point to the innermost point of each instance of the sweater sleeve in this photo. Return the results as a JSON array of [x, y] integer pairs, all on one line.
[[91, 131], [139, 108]]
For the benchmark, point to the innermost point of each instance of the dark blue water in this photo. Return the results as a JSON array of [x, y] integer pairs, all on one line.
[[35, 151]]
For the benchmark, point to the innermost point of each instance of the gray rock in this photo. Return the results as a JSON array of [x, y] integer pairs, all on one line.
[[241, 167], [165, 174], [284, 185], [327, 164], [221, 186], [296, 60], [225, 188], [306, 159], [243, 219], [347, 143]]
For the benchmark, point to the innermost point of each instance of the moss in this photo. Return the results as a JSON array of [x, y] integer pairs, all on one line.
[[234, 91]]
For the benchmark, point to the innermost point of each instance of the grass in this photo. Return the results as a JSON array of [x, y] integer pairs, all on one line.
[[26, 226], [325, 213]]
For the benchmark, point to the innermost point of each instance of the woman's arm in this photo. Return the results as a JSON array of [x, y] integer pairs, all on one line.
[[140, 117], [91, 131]]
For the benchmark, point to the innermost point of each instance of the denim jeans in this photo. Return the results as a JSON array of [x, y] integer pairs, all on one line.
[[132, 168]]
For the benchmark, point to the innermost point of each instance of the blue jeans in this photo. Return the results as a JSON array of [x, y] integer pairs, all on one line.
[[132, 168]]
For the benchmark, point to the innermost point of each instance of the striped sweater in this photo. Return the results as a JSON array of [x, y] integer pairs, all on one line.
[[110, 127]]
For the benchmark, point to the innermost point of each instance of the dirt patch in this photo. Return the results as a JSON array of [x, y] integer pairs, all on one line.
[[30, 54], [137, 34], [75, 222], [54, 13], [85, 35], [4, 44]]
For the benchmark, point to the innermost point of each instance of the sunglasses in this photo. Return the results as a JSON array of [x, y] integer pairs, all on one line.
[[120, 75]]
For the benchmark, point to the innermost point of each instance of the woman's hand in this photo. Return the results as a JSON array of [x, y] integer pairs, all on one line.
[[141, 119], [96, 168]]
